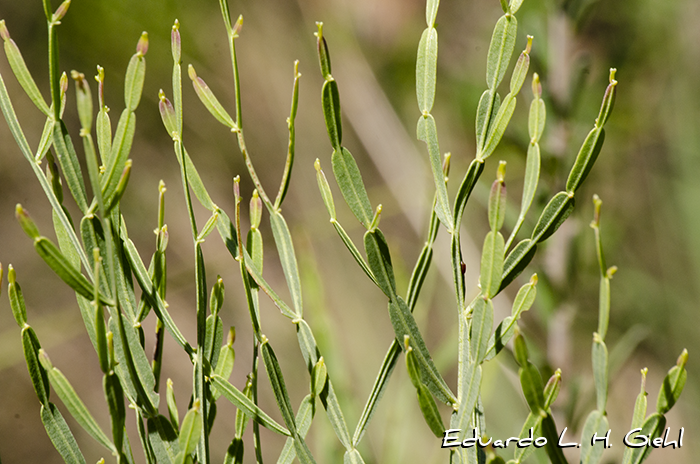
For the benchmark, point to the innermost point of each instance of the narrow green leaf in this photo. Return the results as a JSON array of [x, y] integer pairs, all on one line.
[[274, 373], [200, 191], [430, 411], [554, 214], [14, 291], [538, 112], [325, 190], [652, 428], [45, 141], [500, 50], [418, 275], [521, 68], [63, 269], [431, 8], [19, 68], [640, 405], [335, 414], [349, 179], [608, 100], [534, 422], [114, 394], [70, 166], [471, 385], [517, 260], [465, 189], [242, 402], [531, 383], [285, 248], [405, 324], [121, 146], [190, 431], [132, 365], [60, 434], [150, 293], [330, 98], [40, 380], [600, 372], [530, 181], [352, 456], [596, 425], [379, 260], [482, 324], [497, 199], [172, 405], [585, 159], [427, 132], [211, 103], [73, 403], [323, 55], [549, 429], [104, 135], [163, 439], [257, 276], [673, 385], [305, 415], [514, 6], [426, 68], [483, 120], [492, 264], [350, 245], [378, 389], [498, 127], [135, 74], [291, 146]]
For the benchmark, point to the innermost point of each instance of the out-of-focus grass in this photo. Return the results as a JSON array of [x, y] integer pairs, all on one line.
[[647, 176]]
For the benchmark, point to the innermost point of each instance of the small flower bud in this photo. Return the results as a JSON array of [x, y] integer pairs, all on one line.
[[142, 46]]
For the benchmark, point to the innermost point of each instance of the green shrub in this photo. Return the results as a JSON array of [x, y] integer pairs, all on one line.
[[96, 258]]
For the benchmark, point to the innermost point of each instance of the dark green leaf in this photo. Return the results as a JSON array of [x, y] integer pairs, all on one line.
[[405, 324], [351, 185], [331, 112], [531, 383], [585, 159], [673, 385], [163, 439], [40, 380], [517, 260], [60, 434], [379, 260], [68, 160], [555, 213]]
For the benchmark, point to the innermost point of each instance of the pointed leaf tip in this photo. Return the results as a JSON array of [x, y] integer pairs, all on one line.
[[4, 33], [26, 222], [176, 42], [61, 11], [237, 27]]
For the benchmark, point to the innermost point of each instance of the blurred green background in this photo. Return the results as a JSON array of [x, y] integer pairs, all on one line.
[[647, 176]]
